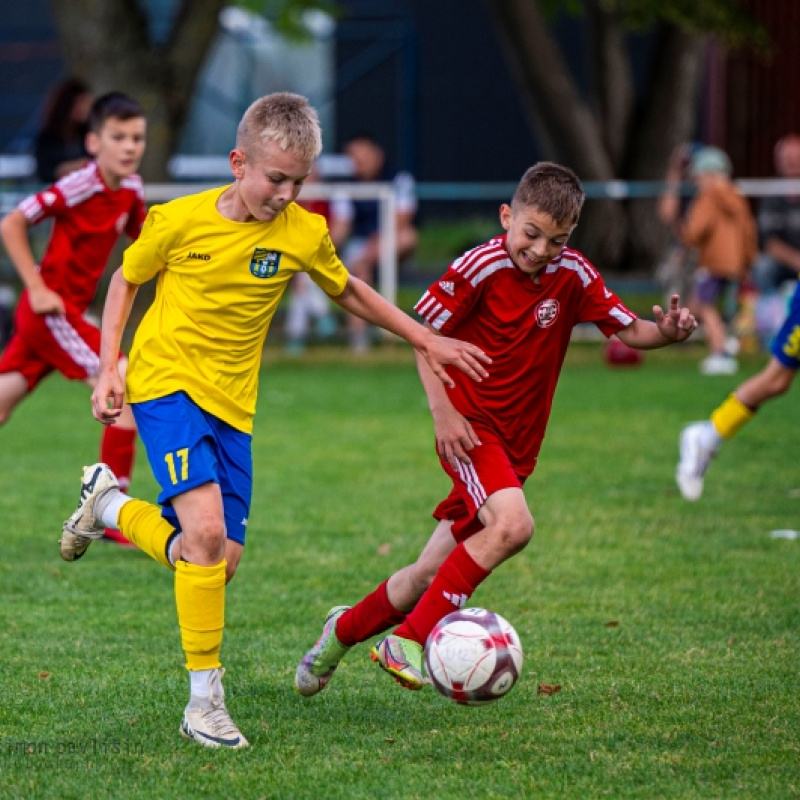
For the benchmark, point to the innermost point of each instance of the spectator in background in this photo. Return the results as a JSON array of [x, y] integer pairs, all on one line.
[[60, 146], [676, 268], [721, 226], [779, 230], [307, 302], [356, 222]]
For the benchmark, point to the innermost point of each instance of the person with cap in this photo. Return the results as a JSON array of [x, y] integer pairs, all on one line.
[[721, 226]]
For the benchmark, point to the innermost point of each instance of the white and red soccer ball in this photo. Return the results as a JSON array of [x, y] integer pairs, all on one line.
[[473, 656]]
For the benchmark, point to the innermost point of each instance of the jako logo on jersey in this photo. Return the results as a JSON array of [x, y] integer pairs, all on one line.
[[264, 263], [199, 256], [448, 287], [546, 313]]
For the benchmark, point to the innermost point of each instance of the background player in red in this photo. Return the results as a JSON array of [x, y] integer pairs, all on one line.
[[517, 297], [90, 209]]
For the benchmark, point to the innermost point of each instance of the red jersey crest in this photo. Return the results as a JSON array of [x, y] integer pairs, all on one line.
[[546, 312]]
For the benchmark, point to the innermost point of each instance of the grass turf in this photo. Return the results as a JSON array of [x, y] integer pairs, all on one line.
[[671, 628]]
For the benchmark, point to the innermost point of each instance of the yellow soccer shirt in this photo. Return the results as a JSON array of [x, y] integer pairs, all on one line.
[[219, 283]]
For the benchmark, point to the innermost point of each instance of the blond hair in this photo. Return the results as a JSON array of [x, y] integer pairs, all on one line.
[[284, 118], [552, 189]]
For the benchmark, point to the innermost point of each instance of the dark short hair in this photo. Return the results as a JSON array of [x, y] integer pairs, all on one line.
[[114, 105], [552, 189]]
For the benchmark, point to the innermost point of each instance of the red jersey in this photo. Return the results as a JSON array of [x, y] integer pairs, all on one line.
[[88, 220], [525, 328]]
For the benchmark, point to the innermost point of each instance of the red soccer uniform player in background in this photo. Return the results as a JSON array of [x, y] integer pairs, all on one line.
[[517, 297], [90, 208]]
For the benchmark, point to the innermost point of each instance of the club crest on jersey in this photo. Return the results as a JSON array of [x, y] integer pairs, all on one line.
[[546, 312], [264, 263]]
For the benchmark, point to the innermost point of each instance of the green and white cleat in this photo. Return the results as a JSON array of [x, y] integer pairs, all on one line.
[[402, 659], [207, 721], [83, 526], [317, 666]]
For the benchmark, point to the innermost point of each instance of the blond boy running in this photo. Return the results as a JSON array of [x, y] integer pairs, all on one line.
[[223, 258]]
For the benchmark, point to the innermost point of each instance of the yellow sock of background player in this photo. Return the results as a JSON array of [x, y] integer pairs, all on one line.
[[731, 416]]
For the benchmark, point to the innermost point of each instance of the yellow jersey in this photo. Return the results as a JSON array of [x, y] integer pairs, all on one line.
[[219, 283]]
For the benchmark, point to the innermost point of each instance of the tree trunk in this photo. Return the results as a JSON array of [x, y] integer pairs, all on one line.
[[612, 79], [107, 43], [666, 121], [562, 120]]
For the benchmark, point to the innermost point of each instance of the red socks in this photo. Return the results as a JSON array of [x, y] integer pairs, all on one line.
[[372, 615], [455, 582], [118, 450]]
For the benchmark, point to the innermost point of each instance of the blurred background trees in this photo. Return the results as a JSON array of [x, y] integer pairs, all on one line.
[[477, 90]]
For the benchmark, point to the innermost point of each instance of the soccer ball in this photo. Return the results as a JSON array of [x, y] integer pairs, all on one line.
[[473, 656], [618, 354]]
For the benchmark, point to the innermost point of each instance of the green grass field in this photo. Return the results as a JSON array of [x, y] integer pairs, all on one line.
[[672, 628]]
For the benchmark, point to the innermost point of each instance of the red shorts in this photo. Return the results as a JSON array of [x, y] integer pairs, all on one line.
[[42, 344], [489, 472]]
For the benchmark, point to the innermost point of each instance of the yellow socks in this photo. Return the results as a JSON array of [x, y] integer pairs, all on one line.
[[732, 415], [143, 524], [199, 591], [200, 597]]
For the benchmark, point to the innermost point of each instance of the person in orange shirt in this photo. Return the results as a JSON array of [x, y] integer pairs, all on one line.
[[721, 226]]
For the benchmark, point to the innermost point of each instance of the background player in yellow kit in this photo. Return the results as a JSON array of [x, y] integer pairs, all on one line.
[[223, 259]]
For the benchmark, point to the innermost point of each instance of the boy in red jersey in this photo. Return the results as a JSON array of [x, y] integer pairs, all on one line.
[[90, 209], [517, 297]]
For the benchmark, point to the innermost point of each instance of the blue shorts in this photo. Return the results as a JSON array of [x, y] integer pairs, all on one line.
[[708, 288], [786, 344], [187, 447]]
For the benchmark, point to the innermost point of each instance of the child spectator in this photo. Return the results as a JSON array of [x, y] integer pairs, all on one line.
[[721, 226]]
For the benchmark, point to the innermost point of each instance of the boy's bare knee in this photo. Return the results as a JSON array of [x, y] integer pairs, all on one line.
[[513, 534]]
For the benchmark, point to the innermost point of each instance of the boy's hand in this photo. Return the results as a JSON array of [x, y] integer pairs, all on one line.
[[441, 350], [108, 397], [454, 436], [46, 302], [678, 323]]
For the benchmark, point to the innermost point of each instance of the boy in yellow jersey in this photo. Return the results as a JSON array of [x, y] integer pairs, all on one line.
[[700, 441], [223, 258]]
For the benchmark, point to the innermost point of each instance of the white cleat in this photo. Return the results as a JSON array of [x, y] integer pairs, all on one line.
[[82, 527], [207, 721], [694, 461]]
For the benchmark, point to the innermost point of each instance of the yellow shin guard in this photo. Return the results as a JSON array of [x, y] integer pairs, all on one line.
[[731, 416], [143, 524], [200, 597]]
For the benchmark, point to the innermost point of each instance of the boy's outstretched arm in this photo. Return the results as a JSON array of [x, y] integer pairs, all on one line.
[[14, 232], [455, 437], [674, 325], [109, 392], [439, 351]]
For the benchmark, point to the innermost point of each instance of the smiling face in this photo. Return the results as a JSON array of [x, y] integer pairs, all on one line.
[[118, 147], [533, 237], [267, 180]]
